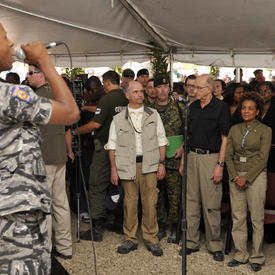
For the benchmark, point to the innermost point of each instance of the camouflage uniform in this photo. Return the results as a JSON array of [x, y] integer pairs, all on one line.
[[24, 196], [147, 103], [170, 187]]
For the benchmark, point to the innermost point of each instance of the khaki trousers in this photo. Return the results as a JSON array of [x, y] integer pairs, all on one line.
[[203, 194], [252, 199], [146, 185], [60, 219]]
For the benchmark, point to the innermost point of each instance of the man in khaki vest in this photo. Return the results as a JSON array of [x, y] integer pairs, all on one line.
[[53, 147], [137, 155]]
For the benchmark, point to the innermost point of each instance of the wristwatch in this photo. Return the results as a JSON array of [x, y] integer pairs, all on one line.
[[162, 162], [221, 163]]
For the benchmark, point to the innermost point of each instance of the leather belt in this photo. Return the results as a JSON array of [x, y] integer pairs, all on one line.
[[139, 159], [203, 151]]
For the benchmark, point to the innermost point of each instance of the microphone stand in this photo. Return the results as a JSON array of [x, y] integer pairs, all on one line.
[[184, 187]]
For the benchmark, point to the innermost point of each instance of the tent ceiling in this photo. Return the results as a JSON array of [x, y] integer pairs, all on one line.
[[106, 32]]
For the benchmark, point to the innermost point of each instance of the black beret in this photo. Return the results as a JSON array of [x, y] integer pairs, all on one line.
[[142, 72], [161, 80]]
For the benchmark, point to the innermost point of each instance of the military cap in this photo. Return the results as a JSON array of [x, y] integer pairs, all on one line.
[[114, 196], [128, 73], [161, 80], [142, 72]]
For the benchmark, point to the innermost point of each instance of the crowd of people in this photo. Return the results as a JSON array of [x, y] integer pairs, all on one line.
[[130, 136]]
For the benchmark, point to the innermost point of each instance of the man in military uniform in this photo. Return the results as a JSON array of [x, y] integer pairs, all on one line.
[[54, 153], [109, 105], [24, 196], [150, 94], [143, 77], [171, 113], [127, 76]]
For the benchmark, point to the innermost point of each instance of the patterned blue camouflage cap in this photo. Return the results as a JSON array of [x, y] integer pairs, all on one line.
[[161, 80]]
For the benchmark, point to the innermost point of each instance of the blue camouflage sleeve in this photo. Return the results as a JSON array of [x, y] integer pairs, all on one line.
[[23, 105]]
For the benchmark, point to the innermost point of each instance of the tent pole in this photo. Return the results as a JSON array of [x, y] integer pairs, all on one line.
[[238, 75], [171, 59]]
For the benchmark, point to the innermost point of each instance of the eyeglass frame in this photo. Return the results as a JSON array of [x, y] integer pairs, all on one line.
[[199, 88]]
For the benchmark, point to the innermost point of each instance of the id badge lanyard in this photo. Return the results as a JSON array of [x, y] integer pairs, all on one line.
[[243, 158]]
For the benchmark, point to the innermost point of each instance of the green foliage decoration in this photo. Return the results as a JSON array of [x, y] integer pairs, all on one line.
[[214, 72], [158, 61]]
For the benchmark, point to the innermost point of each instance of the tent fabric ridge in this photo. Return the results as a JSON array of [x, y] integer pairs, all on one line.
[[141, 19], [76, 26]]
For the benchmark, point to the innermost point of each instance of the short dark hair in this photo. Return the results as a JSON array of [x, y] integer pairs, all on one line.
[[254, 96], [223, 84], [229, 93], [112, 76], [92, 79], [268, 84], [14, 78], [35, 67], [191, 76]]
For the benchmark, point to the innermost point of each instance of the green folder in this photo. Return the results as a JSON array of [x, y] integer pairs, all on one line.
[[174, 143]]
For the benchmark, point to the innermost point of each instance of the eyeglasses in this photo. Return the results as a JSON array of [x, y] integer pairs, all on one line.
[[33, 72], [199, 88]]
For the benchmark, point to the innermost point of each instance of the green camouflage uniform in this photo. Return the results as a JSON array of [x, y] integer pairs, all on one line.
[[170, 187], [24, 195], [147, 103]]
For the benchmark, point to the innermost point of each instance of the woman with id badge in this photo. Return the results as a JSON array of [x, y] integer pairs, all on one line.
[[246, 157]]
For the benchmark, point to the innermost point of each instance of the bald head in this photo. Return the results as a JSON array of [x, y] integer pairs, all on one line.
[[208, 80], [205, 86]]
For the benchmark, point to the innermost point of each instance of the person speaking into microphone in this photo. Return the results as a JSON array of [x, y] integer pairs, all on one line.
[[24, 195]]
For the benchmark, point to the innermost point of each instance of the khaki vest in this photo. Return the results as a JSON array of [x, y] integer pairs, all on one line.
[[125, 155]]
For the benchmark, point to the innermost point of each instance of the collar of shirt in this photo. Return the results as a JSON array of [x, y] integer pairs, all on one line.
[[133, 111]]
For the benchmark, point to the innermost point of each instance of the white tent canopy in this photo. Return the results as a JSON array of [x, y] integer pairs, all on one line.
[[112, 32]]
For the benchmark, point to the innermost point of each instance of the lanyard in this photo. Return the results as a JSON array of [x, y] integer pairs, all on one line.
[[139, 132], [244, 137]]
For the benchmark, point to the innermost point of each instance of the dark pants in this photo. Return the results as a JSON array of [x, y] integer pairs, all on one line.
[[99, 182]]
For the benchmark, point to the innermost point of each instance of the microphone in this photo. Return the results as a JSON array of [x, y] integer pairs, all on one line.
[[19, 54]]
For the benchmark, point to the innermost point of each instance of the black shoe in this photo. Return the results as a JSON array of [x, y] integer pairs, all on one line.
[[256, 267], [86, 235], [155, 249], [218, 256], [234, 263], [173, 237], [63, 256], [189, 251], [126, 247], [162, 230]]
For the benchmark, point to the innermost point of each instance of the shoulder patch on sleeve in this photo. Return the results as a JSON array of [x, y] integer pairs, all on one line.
[[98, 111], [21, 94]]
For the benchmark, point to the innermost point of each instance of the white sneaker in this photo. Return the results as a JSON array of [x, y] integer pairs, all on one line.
[[85, 217]]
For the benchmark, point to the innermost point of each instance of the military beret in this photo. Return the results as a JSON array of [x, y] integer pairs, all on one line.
[[161, 80], [128, 73], [142, 72]]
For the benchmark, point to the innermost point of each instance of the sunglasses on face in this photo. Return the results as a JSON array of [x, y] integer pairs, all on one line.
[[33, 72]]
